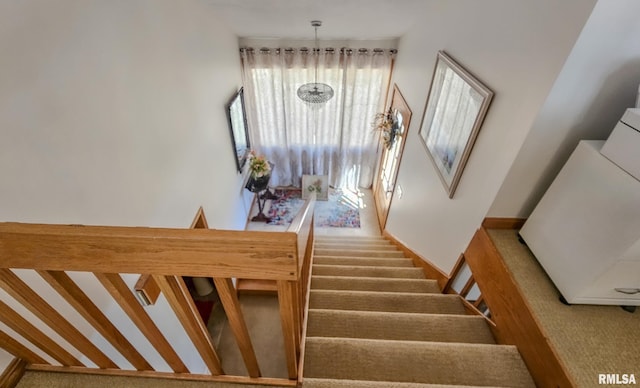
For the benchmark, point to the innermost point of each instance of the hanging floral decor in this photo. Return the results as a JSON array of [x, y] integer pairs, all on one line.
[[387, 124]]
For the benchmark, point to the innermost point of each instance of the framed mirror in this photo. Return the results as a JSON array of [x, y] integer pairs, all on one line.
[[453, 115], [236, 115]]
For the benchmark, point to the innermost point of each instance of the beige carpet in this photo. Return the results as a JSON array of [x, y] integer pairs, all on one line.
[[589, 339], [396, 336], [76, 380], [262, 315]]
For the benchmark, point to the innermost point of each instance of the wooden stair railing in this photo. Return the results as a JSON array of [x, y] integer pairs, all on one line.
[[165, 254]]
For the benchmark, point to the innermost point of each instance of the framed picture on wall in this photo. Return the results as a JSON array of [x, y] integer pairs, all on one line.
[[454, 112], [236, 115]]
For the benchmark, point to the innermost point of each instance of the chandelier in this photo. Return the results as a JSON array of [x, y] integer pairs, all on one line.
[[315, 93]]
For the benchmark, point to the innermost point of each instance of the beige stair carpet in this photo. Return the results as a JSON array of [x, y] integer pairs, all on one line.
[[375, 321]]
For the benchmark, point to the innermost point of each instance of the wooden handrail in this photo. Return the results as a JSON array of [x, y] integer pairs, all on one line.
[[301, 225], [293, 297], [156, 251], [302, 217]]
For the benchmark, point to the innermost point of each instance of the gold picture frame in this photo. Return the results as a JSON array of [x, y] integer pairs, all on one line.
[[456, 107]]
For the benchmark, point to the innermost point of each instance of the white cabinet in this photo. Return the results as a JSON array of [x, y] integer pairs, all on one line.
[[585, 232]]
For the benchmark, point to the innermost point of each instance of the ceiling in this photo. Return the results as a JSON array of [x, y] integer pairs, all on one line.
[[342, 19]]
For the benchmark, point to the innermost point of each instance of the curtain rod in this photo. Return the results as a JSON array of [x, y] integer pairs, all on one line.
[[343, 50]]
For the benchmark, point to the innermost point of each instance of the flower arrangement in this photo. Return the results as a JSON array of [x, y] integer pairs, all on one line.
[[385, 123], [258, 165]]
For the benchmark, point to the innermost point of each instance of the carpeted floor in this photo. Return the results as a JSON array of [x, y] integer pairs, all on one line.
[[77, 380], [589, 339], [262, 316], [340, 211]]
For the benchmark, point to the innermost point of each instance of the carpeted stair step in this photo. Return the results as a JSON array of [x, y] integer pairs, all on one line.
[[358, 252], [382, 245], [399, 326], [333, 383], [352, 242], [325, 238], [371, 272], [363, 261], [417, 362], [400, 302], [374, 284]]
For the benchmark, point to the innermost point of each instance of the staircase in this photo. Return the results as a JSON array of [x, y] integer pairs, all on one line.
[[375, 321]]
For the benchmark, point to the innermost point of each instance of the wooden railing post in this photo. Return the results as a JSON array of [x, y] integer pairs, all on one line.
[[120, 292], [63, 284], [23, 327], [20, 291], [17, 349], [177, 295], [229, 299], [289, 316]]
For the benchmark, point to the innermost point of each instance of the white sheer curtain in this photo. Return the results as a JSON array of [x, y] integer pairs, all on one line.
[[334, 139]]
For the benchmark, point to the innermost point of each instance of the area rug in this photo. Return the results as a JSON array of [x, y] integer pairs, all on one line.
[[340, 211]]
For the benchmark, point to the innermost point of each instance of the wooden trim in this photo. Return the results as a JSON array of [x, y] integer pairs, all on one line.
[[256, 287], [305, 274], [454, 274], [302, 225], [302, 217], [19, 350], [183, 252], [515, 323], [253, 204], [305, 314], [402, 105], [147, 288], [177, 294], [430, 270], [41, 309], [467, 287], [65, 286], [473, 310], [199, 221], [13, 373], [267, 381], [118, 289], [503, 223], [288, 315], [231, 305], [32, 334]]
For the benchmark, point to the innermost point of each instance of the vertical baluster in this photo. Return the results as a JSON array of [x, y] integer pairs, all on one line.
[[229, 299], [119, 290], [177, 295], [288, 314]]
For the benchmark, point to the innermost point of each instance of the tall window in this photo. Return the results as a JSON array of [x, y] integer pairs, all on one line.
[[335, 138]]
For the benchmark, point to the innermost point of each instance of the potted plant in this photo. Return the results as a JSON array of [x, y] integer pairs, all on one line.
[[259, 172]]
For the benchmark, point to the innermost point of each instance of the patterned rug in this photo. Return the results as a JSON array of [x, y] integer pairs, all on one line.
[[340, 211]]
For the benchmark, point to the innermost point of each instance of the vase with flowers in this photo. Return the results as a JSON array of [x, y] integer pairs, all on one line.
[[387, 125], [259, 172]]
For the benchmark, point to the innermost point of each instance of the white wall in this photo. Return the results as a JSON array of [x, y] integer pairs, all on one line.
[[113, 113], [598, 82], [5, 360], [517, 49]]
